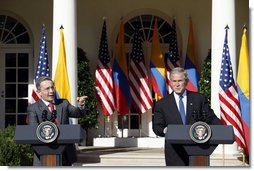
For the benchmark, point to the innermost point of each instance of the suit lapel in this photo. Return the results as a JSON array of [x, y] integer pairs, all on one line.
[[42, 106], [189, 107], [59, 111]]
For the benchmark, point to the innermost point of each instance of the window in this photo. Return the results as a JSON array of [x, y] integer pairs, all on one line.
[[12, 32], [15, 62], [146, 24]]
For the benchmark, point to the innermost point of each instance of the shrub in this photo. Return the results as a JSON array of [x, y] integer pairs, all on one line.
[[12, 154], [205, 79], [86, 86]]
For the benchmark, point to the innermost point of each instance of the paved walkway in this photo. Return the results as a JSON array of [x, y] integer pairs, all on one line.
[[132, 156]]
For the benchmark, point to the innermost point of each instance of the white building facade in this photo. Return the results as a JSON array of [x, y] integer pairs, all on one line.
[[20, 31]]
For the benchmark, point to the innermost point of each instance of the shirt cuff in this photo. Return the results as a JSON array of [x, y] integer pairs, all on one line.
[[165, 130]]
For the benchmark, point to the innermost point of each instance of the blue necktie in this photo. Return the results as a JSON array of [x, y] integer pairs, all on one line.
[[181, 109]]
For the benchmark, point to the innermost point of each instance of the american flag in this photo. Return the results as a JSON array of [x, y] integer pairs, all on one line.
[[172, 56], [139, 87], [228, 95], [42, 66], [103, 74]]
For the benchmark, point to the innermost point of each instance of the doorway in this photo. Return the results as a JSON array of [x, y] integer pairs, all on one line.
[[16, 63]]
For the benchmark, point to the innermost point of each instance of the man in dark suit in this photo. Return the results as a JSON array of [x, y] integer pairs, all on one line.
[[64, 110], [167, 111]]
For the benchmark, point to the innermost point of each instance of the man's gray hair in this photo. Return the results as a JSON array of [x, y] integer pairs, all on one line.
[[41, 79], [179, 70]]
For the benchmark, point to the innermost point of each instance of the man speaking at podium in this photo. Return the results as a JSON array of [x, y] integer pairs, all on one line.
[[180, 107], [61, 108]]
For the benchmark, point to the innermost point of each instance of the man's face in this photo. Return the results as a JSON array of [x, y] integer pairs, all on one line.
[[178, 83], [47, 90]]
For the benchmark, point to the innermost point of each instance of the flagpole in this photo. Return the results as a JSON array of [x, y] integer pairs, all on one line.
[[109, 127], [104, 126], [107, 131], [112, 125], [243, 159], [243, 155], [139, 120], [223, 154]]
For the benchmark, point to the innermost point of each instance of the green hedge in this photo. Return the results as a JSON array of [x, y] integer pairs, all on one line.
[[205, 78], [12, 154], [86, 86]]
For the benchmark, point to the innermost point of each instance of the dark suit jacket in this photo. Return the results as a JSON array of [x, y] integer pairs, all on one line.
[[64, 111], [166, 112]]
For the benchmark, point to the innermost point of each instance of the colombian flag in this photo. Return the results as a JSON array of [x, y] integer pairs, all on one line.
[[191, 62], [120, 76], [243, 87], [157, 66], [61, 76]]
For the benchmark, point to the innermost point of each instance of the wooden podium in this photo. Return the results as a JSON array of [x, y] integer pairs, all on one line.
[[199, 153], [50, 153]]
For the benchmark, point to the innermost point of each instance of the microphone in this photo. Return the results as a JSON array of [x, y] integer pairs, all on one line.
[[53, 116], [44, 115]]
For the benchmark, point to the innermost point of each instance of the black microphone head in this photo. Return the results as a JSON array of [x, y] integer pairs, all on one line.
[[54, 113], [44, 115], [53, 116]]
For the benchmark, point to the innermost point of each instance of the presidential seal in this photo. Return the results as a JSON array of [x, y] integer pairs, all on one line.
[[200, 132], [47, 132]]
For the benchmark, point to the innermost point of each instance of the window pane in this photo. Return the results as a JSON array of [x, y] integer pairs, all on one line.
[[146, 21], [23, 75], [10, 120], [159, 20], [10, 90], [23, 39], [22, 105], [22, 60], [128, 29], [10, 23], [10, 60], [166, 38], [134, 122], [19, 29], [10, 39], [10, 75], [2, 18], [10, 106], [123, 122], [22, 90]]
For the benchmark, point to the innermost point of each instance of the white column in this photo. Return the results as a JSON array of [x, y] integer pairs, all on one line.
[[223, 13], [251, 50], [251, 29], [64, 13]]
